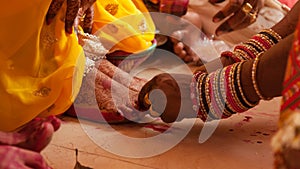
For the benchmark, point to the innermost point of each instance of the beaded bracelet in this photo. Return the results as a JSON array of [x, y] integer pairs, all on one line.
[[253, 77]]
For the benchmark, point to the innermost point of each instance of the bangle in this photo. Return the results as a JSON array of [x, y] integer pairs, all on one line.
[[203, 108], [247, 103], [274, 36], [254, 82], [229, 54], [195, 91]]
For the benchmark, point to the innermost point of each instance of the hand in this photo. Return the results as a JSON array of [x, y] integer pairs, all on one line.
[[12, 157], [34, 136], [76, 9], [176, 98], [244, 13], [180, 49]]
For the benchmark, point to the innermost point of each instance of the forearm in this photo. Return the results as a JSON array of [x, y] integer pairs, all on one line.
[[288, 24], [231, 89], [247, 50]]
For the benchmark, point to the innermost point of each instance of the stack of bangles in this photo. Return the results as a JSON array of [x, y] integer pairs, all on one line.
[[250, 49], [219, 94]]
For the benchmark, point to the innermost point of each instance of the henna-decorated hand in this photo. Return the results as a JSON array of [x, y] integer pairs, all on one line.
[[76, 9], [13, 157], [239, 14]]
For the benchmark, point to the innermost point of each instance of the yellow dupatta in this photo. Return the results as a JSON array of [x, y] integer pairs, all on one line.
[[41, 66], [125, 23]]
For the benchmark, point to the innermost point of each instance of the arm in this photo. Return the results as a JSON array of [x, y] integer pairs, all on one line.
[[269, 76]]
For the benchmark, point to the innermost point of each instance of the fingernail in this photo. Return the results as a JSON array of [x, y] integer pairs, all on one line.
[[219, 16], [219, 33], [215, 19]]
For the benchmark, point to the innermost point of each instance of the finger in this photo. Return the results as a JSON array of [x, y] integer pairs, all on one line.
[[33, 159], [229, 9], [143, 97], [179, 50], [88, 20], [177, 36], [56, 122], [85, 4], [191, 56], [173, 104], [71, 14], [248, 20], [237, 21], [53, 10]]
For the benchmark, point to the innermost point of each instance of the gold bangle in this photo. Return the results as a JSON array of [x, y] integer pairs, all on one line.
[[217, 94], [240, 54], [239, 68], [210, 86], [273, 33], [199, 84], [253, 76], [233, 89], [258, 44], [222, 93]]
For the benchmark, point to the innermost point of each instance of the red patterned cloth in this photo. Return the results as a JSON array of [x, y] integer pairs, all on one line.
[[286, 142], [291, 84]]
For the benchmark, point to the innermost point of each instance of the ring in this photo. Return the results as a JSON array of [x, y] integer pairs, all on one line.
[[247, 7], [146, 99], [252, 16]]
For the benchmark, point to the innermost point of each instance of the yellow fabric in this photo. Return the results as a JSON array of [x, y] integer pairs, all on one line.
[[121, 22], [41, 66]]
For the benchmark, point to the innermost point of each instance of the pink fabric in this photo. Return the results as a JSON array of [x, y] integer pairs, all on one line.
[[289, 3]]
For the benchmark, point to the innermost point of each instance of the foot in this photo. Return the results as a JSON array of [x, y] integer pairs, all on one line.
[[12, 157], [35, 135]]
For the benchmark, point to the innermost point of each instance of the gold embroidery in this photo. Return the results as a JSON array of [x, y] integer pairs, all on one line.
[[112, 8], [42, 92]]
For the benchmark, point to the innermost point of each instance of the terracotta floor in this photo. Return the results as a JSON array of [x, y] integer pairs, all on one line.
[[243, 141]]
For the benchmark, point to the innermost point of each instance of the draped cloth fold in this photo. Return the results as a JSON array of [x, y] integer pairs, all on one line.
[[41, 66]]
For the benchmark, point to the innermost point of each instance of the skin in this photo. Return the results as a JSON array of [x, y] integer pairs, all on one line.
[[20, 149], [233, 17], [26, 137], [270, 72], [13, 157], [75, 9], [284, 28]]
